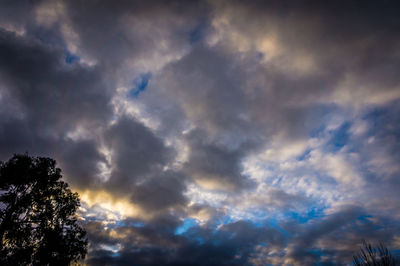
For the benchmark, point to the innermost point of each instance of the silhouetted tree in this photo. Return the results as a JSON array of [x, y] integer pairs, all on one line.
[[38, 224], [373, 256]]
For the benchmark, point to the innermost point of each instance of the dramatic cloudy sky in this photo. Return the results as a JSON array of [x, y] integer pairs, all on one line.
[[212, 132]]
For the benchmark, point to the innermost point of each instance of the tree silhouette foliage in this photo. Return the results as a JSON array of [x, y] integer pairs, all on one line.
[[38, 224], [373, 256]]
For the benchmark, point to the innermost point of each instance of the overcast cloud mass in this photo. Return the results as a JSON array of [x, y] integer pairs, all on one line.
[[212, 132]]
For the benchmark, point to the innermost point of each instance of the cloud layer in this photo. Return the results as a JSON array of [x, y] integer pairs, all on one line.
[[211, 132]]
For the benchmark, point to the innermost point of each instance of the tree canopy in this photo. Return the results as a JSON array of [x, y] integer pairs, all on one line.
[[38, 222]]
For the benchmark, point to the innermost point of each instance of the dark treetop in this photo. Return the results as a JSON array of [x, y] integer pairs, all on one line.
[[38, 224]]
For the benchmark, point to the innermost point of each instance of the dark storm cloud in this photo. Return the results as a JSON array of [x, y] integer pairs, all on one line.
[[358, 51], [137, 153], [231, 245], [17, 12], [78, 159], [80, 162], [333, 238], [137, 167], [337, 235], [301, 250], [208, 91], [16, 136], [49, 92], [44, 99], [209, 85], [215, 166], [113, 33], [160, 192]]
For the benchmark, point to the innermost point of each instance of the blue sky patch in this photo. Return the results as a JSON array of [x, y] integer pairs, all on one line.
[[304, 155], [305, 217], [198, 32], [340, 137], [187, 223], [71, 58], [274, 224], [140, 85]]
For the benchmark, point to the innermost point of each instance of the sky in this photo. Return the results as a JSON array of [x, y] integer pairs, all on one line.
[[212, 132]]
